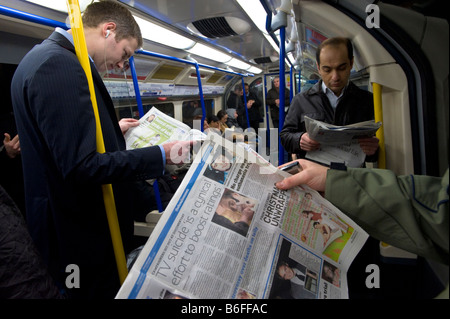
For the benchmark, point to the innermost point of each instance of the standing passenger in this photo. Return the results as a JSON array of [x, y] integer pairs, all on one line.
[[234, 102], [273, 100], [252, 110], [62, 169], [334, 100]]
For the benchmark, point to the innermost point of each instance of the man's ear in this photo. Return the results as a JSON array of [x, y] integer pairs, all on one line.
[[107, 28]]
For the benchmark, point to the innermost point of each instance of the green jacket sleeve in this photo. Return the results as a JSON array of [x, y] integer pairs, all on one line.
[[408, 212]]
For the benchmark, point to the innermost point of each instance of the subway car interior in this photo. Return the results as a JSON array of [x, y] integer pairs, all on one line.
[[196, 52]]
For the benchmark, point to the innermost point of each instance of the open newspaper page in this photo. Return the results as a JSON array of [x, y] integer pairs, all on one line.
[[339, 143], [156, 128], [229, 232]]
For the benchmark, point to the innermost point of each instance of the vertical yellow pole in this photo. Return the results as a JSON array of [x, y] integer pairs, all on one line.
[[378, 110], [108, 196]]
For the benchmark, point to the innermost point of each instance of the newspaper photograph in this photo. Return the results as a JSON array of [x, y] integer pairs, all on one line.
[[156, 128], [230, 233], [339, 143]]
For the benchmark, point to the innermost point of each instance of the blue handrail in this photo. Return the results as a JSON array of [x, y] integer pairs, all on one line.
[[282, 95], [31, 17], [245, 103], [197, 66]]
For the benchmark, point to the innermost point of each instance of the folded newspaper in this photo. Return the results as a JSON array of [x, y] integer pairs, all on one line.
[[156, 128], [339, 143], [229, 232]]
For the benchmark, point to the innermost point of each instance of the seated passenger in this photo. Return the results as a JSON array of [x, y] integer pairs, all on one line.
[[223, 118], [231, 120], [213, 122]]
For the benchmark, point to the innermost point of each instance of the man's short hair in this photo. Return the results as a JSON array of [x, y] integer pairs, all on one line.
[[336, 42], [113, 11]]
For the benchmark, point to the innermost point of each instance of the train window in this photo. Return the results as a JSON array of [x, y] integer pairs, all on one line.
[[127, 112], [192, 110], [166, 108], [132, 111]]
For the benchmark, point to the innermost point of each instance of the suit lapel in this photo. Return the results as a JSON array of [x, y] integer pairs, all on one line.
[[106, 98], [106, 102]]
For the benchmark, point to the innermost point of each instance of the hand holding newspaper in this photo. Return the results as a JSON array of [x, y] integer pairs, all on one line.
[[229, 232], [156, 128], [339, 143]]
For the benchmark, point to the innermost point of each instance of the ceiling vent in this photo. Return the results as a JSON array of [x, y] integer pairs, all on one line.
[[265, 59], [219, 27], [262, 60]]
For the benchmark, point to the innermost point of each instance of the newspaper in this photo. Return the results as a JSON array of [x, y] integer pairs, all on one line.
[[228, 232], [156, 128], [339, 143]]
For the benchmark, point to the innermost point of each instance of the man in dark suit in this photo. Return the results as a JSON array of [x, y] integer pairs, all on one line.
[[297, 276], [252, 110], [62, 169]]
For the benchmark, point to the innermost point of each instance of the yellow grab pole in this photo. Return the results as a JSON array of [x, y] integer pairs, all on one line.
[[378, 110], [108, 196]]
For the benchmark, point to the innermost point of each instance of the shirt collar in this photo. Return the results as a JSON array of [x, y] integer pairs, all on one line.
[[326, 90], [66, 34], [69, 37]]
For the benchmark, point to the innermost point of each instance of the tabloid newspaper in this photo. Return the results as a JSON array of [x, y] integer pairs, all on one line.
[[229, 232], [156, 128], [339, 143]]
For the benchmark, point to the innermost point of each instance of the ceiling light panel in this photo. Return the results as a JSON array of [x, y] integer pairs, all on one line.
[[209, 53], [155, 33]]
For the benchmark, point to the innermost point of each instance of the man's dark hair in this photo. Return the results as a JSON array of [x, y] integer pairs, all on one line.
[[336, 42]]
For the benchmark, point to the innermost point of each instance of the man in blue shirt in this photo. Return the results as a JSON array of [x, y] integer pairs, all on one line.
[[63, 171]]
